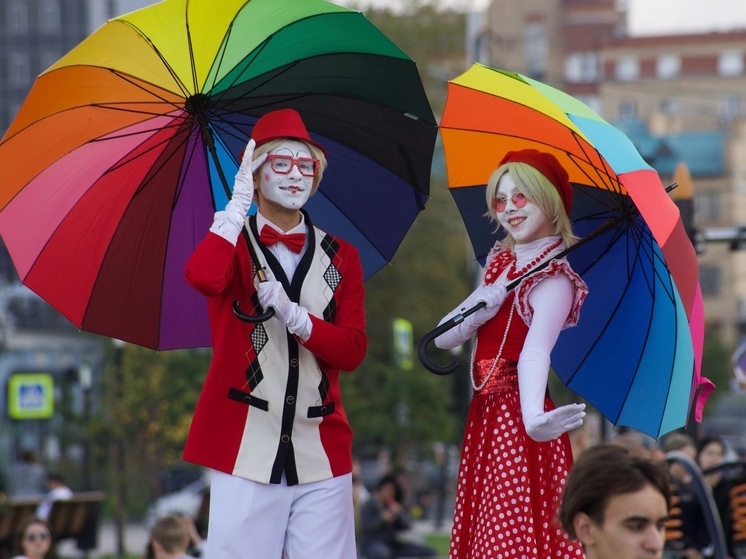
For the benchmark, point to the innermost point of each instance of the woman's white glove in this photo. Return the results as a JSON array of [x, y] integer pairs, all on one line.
[[533, 373], [295, 317], [228, 223], [492, 295]]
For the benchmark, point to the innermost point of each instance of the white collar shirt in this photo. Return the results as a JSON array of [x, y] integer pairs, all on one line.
[[287, 258]]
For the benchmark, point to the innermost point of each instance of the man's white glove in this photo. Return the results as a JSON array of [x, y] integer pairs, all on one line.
[[272, 294], [492, 295], [533, 373], [228, 223]]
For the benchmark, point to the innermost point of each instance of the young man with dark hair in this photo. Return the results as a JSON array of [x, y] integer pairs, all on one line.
[[616, 504]]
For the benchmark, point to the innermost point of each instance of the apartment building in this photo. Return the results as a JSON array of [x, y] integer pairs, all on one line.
[[678, 97]]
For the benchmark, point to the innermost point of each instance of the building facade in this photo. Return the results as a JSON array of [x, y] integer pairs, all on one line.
[[680, 98]]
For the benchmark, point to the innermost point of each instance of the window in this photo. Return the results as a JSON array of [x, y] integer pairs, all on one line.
[[582, 67], [47, 58], [710, 279], [627, 69], [668, 66], [18, 70], [16, 19], [730, 63], [535, 49], [668, 106], [707, 207], [49, 16], [627, 110], [729, 107]]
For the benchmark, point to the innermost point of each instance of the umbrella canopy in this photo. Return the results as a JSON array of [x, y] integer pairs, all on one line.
[[117, 159], [635, 353]]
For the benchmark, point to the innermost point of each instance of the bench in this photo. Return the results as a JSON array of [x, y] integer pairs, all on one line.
[[75, 518], [13, 512]]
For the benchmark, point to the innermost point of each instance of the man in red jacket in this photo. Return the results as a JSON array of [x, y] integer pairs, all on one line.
[[269, 421]]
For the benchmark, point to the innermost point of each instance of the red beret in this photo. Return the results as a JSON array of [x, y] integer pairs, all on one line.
[[547, 165], [282, 123]]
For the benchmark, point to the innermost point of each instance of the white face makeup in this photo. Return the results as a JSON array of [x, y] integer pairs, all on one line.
[[524, 224], [289, 190]]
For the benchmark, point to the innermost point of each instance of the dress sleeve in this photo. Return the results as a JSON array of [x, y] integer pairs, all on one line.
[[555, 269]]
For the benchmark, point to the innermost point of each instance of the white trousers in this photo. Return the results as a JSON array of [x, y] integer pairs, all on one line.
[[250, 520]]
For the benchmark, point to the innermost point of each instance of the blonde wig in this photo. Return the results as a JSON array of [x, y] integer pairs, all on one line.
[[539, 190]]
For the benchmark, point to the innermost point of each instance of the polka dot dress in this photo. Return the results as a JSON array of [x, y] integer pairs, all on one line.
[[509, 485]]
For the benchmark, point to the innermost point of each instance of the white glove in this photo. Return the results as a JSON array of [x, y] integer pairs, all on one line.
[[550, 425], [492, 295], [533, 373], [228, 223], [272, 294]]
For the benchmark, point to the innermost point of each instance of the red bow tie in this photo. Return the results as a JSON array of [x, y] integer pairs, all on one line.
[[294, 241]]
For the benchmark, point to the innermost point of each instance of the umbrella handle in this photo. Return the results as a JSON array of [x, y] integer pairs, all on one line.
[[437, 331], [253, 319]]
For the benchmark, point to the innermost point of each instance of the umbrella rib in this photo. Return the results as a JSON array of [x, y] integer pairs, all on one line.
[[192, 64], [174, 75]]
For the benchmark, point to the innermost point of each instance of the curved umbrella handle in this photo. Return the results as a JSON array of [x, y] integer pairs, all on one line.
[[437, 331], [253, 319]]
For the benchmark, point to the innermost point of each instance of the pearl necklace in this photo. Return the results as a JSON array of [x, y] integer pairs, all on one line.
[[494, 361], [512, 274]]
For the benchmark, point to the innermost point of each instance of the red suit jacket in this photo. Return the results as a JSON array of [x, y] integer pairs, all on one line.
[[271, 404]]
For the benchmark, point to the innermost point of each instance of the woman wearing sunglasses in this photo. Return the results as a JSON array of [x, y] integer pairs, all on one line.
[[516, 451], [34, 539]]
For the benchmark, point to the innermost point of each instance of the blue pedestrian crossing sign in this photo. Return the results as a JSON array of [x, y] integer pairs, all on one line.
[[31, 396]]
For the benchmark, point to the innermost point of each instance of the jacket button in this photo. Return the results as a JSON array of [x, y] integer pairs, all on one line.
[[290, 400], [285, 438], [323, 410], [293, 362]]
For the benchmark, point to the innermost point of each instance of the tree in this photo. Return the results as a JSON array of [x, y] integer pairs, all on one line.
[[429, 275]]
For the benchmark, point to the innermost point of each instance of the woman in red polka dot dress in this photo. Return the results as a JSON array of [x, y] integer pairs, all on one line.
[[516, 452]]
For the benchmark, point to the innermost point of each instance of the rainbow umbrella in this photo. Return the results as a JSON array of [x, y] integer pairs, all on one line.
[[118, 158], [635, 353]]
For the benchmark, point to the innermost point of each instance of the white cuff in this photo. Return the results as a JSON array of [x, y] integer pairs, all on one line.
[[228, 225], [300, 325]]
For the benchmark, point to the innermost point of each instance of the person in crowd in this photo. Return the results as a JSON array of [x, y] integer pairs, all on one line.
[[383, 518], [270, 421], [28, 476], [616, 504], [170, 538], [693, 526], [360, 495], [57, 490], [711, 452], [34, 539], [516, 451]]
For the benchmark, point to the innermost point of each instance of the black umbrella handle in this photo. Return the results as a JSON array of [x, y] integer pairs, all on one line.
[[440, 329], [253, 319], [270, 312], [456, 320]]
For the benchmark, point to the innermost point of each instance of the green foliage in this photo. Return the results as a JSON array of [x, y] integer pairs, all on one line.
[[147, 403], [432, 36], [429, 274], [716, 365]]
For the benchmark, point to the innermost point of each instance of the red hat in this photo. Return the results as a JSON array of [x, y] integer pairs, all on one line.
[[547, 165], [283, 123]]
